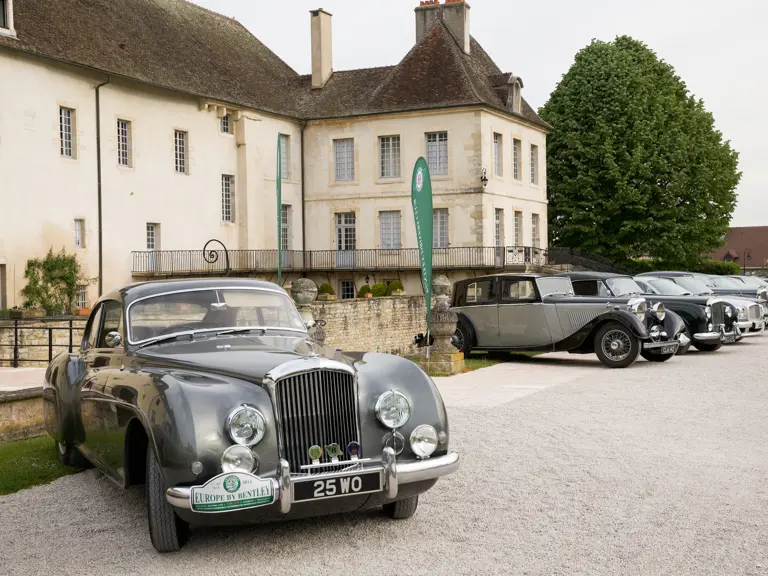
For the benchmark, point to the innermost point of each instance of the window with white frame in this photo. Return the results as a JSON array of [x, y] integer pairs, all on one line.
[[225, 124], [346, 289], [517, 154], [389, 156], [535, 240], [534, 164], [81, 298], [227, 198], [153, 236], [499, 232], [346, 231], [180, 139], [286, 242], [437, 153], [285, 156], [498, 155], [124, 143], [389, 223], [344, 159], [440, 228], [67, 132], [79, 233], [518, 228], [4, 16]]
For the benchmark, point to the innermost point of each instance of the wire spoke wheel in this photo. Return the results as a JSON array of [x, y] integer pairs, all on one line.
[[616, 345]]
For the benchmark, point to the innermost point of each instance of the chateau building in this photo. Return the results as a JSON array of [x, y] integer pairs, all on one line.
[[133, 133]]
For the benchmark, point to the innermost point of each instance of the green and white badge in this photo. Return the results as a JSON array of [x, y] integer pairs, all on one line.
[[232, 491]]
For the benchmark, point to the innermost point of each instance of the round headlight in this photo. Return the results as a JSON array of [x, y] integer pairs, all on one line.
[[238, 458], [708, 311], [393, 409], [658, 311], [246, 425], [743, 314], [638, 307], [424, 441], [762, 294]]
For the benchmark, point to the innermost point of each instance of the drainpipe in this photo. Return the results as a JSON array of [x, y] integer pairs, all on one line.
[[98, 184], [303, 225]]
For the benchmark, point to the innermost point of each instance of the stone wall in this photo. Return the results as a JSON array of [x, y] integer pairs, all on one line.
[[34, 337]]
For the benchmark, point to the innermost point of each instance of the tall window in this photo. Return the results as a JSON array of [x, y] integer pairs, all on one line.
[[346, 231], [498, 155], [344, 159], [389, 156], [67, 132], [227, 198], [124, 143], [390, 230], [153, 236], [285, 227], [3, 14], [440, 228], [180, 148], [226, 125], [499, 232], [437, 153], [534, 164], [535, 240], [517, 154], [518, 228], [347, 289], [79, 233], [81, 297], [285, 156]]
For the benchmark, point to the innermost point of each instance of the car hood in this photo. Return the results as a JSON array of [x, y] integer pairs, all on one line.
[[673, 299], [248, 357]]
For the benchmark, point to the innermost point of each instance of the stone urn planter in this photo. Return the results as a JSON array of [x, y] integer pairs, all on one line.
[[15, 314], [303, 291]]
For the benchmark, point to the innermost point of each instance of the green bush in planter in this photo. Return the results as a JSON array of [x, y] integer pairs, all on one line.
[[394, 286], [379, 290], [363, 291], [326, 288]]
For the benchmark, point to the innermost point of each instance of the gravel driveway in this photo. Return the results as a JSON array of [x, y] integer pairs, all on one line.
[[657, 469]]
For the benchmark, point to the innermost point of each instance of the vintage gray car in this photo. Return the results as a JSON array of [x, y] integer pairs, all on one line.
[[212, 394], [528, 312]]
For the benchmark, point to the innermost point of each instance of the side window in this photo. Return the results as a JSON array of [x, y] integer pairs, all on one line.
[[646, 287], [602, 290], [481, 292], [92, 329], [112, 313], [585, 288], [518, 290]]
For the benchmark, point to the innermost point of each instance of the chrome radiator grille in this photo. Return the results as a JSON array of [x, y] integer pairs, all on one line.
[[755, 313], [316, 408], [718, 314]]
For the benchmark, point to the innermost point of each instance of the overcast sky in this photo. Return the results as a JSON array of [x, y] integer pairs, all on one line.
[[718, 48]]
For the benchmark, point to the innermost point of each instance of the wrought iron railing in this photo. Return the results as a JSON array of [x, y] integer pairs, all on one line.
[[194, 262], [38, 340]]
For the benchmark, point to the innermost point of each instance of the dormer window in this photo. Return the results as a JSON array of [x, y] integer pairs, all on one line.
[[6, 17], [516, 96]]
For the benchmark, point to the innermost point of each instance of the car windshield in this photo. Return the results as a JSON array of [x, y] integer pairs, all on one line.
[[753, 281], [552, 286], [723, 282], [621, 286], [211, 310], [693, 285], [669, 288]]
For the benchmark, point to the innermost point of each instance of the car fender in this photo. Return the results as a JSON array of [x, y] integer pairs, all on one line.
[[61, 399], [673, 324], [583, 338], [465, 319]]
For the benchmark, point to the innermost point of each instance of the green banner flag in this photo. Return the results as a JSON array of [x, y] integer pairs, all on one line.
[[279, 212], [421, 199]]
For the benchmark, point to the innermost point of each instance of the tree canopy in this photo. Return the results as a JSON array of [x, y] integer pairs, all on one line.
[[635, 165]]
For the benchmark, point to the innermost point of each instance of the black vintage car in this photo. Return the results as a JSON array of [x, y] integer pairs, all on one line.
[[528, 312], [212, 394], [700, 313], [722, 285]]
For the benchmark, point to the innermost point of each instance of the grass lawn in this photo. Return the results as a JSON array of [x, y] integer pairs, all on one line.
[[27, 463]]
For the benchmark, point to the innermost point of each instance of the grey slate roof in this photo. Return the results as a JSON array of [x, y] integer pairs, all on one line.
[[180, 46]]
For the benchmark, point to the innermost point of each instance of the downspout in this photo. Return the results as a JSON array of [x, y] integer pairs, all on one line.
[[98, 185], [303, 225]]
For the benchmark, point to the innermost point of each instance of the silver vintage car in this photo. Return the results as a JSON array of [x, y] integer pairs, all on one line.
[[528, 312]]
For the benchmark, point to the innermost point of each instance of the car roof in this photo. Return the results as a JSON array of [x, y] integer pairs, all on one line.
[[136, 291], [502, 275], [590, 275], [669, 273]]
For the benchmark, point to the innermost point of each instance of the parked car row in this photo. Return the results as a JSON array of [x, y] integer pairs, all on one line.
[[615, 316]]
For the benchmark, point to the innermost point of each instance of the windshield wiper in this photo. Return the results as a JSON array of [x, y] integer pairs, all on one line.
[[241, 331], [167, 338]]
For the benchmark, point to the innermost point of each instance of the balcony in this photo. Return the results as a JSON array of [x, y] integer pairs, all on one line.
[[181, 263]]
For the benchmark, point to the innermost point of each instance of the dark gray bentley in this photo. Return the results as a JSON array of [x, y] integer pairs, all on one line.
[[527, 312], [212, 394]]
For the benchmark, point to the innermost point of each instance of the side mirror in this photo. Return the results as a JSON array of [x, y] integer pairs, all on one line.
[[113, 340]]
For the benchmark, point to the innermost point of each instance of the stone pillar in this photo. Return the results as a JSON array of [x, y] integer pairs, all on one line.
[[443, 358]]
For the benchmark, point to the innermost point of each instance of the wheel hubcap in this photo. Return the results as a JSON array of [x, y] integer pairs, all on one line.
[[616, 345]]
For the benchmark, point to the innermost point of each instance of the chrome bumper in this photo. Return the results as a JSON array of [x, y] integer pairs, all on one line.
[[747, 328], [708, 336], [683, 339], [394, 474], [654, 345]]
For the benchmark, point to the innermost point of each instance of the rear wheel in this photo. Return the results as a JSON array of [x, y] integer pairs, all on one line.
[[616, 346], [402, 509], [707, 347], [167, 531], [462, 338]]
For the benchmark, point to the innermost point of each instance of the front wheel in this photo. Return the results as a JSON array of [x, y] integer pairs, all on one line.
[[402, 509], [616, 346], [167, 531], [462, 338], [655, 357]]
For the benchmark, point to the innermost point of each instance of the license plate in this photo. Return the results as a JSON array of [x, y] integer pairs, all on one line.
[[232, 491], [320, 488], [729, 338], [668, 350]]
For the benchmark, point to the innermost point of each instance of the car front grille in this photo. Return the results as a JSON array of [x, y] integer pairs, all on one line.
[[755, 313], [718, 315], [316, 408]]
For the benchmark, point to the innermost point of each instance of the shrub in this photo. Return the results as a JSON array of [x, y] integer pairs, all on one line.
[[4, 313], [394, 286], [52, 282], [379, 290], [719, 268], [363, 291], [326, 288]]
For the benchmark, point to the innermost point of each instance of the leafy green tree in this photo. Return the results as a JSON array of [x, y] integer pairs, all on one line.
[[52, 282], [635, 165]]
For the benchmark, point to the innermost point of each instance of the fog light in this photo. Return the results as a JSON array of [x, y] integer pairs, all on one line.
[[238, 459], [197, 467], [424, 441], [655, 332], [395, 441], [710, 327]]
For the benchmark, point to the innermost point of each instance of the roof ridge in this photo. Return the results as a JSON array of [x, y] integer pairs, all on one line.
[[219, 14], [460, 57]]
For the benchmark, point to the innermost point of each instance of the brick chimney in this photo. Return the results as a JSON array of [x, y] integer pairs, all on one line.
[[322, 47], [454, 14]]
